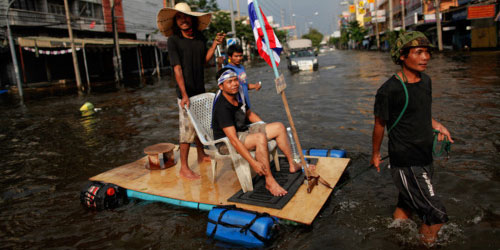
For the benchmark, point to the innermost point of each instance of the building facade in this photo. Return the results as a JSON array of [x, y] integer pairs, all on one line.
[[42, 47], [465, 23]]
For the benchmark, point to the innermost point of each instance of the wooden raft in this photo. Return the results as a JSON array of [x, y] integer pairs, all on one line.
[[302, 208]]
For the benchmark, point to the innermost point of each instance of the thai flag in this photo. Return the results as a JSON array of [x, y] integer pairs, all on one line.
[[259, 36]]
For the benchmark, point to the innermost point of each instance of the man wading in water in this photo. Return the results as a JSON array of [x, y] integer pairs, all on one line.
[[188, 56], [410, 138]]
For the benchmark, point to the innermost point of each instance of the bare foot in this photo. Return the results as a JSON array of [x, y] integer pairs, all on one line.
[[294, 167], [203, 158], [189, 174], [297, 166], [275, 188]]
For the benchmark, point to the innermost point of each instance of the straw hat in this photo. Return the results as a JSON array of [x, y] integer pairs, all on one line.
[[165, 19]]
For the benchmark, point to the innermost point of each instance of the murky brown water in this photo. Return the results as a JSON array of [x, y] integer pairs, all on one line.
[[49, 151]]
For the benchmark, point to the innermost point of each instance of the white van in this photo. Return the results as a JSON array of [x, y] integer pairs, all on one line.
[[301, 55]]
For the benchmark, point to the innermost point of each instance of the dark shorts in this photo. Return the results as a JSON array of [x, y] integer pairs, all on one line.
[[253, 129], [417, 194]]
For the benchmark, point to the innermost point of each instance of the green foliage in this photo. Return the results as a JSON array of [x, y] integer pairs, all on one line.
[[315, 36], [344, 38], [221, 21], [334, 41], [282, 35], [201, 5], [357, 33], [354, 32], [391, 37]]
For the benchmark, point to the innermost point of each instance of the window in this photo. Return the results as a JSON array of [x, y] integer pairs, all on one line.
[[91, 10], [25, 5], [56, 8]]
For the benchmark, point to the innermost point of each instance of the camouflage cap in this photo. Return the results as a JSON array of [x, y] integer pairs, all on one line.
[[407, 40]]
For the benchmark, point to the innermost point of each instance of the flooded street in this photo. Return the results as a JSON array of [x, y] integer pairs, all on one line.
[[49, 151]]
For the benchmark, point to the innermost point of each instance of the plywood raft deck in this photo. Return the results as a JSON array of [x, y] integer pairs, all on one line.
[[302, 208]]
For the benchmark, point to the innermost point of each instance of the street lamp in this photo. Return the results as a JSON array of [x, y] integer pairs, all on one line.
[[13, 54]]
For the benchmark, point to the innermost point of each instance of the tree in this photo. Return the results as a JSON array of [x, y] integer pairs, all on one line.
[[201, 5], [357, 33], [344, 37], [315, 36]]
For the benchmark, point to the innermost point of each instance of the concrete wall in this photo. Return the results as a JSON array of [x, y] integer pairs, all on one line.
[[140, 16]]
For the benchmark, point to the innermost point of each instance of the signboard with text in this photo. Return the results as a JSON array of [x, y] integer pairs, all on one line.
[[482, 11]]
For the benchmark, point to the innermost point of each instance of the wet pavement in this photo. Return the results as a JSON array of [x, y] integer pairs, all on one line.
[[49, 151]]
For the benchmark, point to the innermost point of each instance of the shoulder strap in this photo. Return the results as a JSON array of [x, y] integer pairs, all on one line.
[[404, 107]]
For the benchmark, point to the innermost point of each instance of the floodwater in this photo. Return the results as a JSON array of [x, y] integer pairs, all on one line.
[[49, 151]]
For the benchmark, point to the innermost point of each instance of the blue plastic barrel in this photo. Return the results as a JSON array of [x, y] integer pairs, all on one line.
[[337, 153], [318, 152], [228, 227]]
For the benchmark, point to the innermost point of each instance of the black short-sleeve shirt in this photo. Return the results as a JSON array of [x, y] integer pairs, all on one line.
[[190, 55], [410, 141], [226, 115]]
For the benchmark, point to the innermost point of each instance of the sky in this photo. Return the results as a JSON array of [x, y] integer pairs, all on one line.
[[325, 21]]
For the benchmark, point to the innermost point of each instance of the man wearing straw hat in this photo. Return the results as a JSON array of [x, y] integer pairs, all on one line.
[[188, 55]]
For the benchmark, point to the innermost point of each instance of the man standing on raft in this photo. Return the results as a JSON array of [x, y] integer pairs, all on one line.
[[403, 104], [188, 56], [231, 118]]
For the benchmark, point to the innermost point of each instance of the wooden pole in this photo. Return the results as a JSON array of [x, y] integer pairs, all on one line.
[[403, 25], [376, 26], [283, 95], [22, 64], [391, 27], [139, 66], [13, 55], [117, 60], [73, 50], [439, 30], [86, 68], [142, 63], [157, 64]]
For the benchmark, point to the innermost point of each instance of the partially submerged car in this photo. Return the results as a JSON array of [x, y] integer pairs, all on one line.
[[301, 55]]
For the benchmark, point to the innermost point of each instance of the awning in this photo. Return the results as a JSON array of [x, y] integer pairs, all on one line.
[[64, 42]]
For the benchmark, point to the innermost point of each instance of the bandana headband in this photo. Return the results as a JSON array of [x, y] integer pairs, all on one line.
[[225, 76]]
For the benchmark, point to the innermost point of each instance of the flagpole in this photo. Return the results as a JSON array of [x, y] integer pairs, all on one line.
[[283, 96]]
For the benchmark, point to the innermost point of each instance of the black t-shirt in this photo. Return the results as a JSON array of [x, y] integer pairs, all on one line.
[[226, 115], [410, 141], [190, 54]]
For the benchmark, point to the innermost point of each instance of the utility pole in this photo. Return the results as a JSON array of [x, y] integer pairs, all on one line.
[[437, 6], [376, 26], [73, 50], [403, 26], [391, 26], [233, 29], [292, 20], [13, 55], [117, 59], [238, 7], [282, 12]]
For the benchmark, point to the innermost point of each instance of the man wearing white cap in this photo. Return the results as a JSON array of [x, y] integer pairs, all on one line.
[[188, 55]]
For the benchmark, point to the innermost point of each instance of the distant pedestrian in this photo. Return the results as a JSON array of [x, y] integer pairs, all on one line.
[[235, 53], [410, 132], [188, 55]]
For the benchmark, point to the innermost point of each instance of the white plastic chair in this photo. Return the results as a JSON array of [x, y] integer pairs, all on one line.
[[200, 114]]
